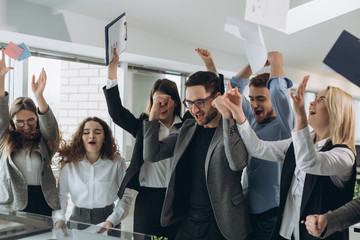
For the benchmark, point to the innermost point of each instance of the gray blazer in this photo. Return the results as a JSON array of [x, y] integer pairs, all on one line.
[[225, 160], [13, 186], [343, 217]]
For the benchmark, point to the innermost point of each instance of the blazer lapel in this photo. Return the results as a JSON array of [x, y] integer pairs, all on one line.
[[183, 142], [309, 184], [218, 136]]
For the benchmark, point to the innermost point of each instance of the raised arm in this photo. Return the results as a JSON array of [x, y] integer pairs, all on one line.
[[38, 88], [4, 98], [278, 86], [257, 148], [3, 71], [206, 57], [240, 81], [48, 125], [120, 115]]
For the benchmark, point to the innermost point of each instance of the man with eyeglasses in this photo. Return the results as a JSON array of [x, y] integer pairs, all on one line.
[[270, 114], [204, 191]]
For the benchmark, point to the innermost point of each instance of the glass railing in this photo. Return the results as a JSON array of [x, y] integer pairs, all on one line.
[[27, 226]]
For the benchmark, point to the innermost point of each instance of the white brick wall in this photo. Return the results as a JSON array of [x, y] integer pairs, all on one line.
[[81, 95]]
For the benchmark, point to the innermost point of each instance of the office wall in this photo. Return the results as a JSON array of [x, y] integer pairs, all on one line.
[[63, 31]]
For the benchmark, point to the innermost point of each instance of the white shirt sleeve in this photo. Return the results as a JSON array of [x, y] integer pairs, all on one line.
[[273, 151], [337, 162], [111, 83], [63, 189], [122, 207]]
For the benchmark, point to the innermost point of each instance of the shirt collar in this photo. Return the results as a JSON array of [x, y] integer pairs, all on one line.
[[177, 120], [99, 162], [320, 143]]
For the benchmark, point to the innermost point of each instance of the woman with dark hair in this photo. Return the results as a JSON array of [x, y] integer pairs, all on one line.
[[149, 179], [91, 172], [29, 138]]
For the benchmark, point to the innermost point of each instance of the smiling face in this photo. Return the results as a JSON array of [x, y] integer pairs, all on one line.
[[318, 112], [260, 102], [93, 137], [206, 115], [25, 122]]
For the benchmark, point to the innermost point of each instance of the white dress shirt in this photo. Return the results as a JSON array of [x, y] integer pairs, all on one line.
[[155, 175], [30, 165], [94, 186], [336, 163]]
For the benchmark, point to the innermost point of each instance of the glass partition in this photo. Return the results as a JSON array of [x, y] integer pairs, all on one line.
[[27, 226]]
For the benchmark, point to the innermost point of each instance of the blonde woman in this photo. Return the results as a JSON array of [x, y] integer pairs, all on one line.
[[318, 174]]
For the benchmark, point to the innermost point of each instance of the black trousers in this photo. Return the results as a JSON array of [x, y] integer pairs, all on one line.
[[199, 231], [91, 216], [36, 202], [147, 213]]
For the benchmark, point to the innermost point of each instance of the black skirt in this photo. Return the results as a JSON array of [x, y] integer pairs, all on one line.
[[36, 202]]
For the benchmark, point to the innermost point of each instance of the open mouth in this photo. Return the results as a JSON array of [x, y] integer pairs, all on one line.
[[92, 143], [199, 116], [258, 112], [312, 112]]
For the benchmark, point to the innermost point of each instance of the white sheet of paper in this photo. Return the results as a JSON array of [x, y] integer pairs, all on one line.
[[270, 13], [60, 235], [243, 30], [256, 55], [95, 229], [254, 42], [232, 27]]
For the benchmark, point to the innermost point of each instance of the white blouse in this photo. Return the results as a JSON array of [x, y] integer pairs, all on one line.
[[30, 165], [94, 186], [336, 163]]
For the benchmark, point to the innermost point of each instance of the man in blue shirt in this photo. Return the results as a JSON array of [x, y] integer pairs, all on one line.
[[270, 114]]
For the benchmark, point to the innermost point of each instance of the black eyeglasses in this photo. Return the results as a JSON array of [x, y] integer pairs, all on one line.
[[20, 123], [200, 103]]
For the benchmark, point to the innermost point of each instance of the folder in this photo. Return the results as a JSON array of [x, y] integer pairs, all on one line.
[[115, 37], [344, 57]]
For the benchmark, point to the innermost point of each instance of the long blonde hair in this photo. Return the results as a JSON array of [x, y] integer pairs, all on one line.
[[341, 109]]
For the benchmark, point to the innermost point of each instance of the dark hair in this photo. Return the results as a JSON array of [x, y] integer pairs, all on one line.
[[209, 80], [74, 150], [168, 87], [260, 80], [13, 139]]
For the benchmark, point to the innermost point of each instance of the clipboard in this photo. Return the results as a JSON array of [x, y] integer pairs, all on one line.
[[115, 36], [344, 59]]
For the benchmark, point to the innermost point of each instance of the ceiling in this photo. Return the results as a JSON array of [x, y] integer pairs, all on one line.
[[202, 22]]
